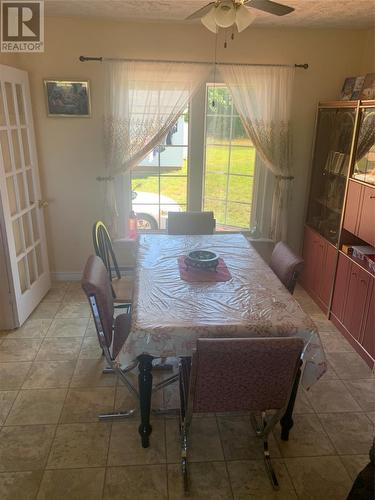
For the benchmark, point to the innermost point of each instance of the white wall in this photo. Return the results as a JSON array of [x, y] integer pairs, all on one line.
[[71, 149]]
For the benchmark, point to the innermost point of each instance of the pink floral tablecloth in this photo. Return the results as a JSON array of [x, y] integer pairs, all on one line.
[[169, 314]]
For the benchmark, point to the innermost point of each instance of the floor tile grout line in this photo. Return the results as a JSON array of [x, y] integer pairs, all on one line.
[[34, 361], [343, 464], [225, 461], [76, 362], [10, 409], [166, 451], [324, 429], [27, 374], [277, 459], [55, 433], [106, 466], [354, 397], [57, 425], [290, 477]]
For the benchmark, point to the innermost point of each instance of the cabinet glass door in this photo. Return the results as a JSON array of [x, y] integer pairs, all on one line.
[[334, 137], [364, 168]]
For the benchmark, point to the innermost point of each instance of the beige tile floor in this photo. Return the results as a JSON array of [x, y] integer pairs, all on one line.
[[52, 447]]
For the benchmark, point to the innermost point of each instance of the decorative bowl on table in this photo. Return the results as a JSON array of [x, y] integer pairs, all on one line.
[[203, 260]]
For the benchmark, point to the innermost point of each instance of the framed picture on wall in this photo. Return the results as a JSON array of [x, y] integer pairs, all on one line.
[[368, 89], [358, 87], [347, 88], [68, 98]]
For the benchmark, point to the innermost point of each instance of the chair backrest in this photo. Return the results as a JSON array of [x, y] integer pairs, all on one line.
[[191, 223], [243, 374], [286, 265], [97, 287], [103, 248]]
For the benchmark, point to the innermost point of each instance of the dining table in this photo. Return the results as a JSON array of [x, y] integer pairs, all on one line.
[[169, 313]]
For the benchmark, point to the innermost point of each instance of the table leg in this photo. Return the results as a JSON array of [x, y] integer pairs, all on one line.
[[145, 389], [286, 421]]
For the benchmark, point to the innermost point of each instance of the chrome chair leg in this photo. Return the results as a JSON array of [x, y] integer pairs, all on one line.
[[268, 464], [257, 428], [262, 430], [160, 364], [117, 415], [184, 460], [185, 475]]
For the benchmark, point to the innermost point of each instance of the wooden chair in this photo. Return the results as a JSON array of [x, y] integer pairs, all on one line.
[[122, 288], [238, 374], [191, 223], [286, 265]]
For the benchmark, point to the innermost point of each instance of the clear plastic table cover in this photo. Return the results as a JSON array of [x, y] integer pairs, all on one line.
[[169, 314]]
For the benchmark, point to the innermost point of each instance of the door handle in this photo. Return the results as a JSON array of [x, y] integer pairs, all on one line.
[[43, 203]]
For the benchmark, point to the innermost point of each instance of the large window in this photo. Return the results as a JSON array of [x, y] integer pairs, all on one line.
[[220, 177], [159, 183], [229, 162]]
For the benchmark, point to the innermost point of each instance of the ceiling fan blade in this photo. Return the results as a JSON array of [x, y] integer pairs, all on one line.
[[200, 12], [271, 7]]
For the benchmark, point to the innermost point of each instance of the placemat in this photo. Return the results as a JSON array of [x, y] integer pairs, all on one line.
[[221, 274]]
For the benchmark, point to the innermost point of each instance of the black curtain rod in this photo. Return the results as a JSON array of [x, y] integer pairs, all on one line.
[[103, 59]]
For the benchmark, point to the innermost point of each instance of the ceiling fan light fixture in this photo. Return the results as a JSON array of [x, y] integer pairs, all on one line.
[[225, 14], [209, 20], [244, 17]]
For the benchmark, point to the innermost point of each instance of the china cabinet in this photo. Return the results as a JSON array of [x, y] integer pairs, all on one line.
[[339, 237], [334, 137]]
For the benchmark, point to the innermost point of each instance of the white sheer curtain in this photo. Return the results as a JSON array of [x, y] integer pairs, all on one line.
[[262, 96], [143, 100]]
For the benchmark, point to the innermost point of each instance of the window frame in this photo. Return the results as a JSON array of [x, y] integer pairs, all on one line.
[[228, 173], [157, 172], [196, 157]]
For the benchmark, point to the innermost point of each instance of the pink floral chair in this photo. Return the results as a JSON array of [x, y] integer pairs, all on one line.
[[235, 375]]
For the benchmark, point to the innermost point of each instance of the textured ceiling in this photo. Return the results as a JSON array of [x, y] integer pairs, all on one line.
[[313, 13]]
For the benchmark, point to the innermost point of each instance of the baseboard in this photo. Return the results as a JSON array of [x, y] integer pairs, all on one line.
[[66, 276], [76, 276]]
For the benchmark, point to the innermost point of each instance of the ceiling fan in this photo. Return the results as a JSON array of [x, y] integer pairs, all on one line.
[[226, 13]]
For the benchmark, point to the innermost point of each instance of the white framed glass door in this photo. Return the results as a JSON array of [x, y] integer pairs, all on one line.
[[21, 212]]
